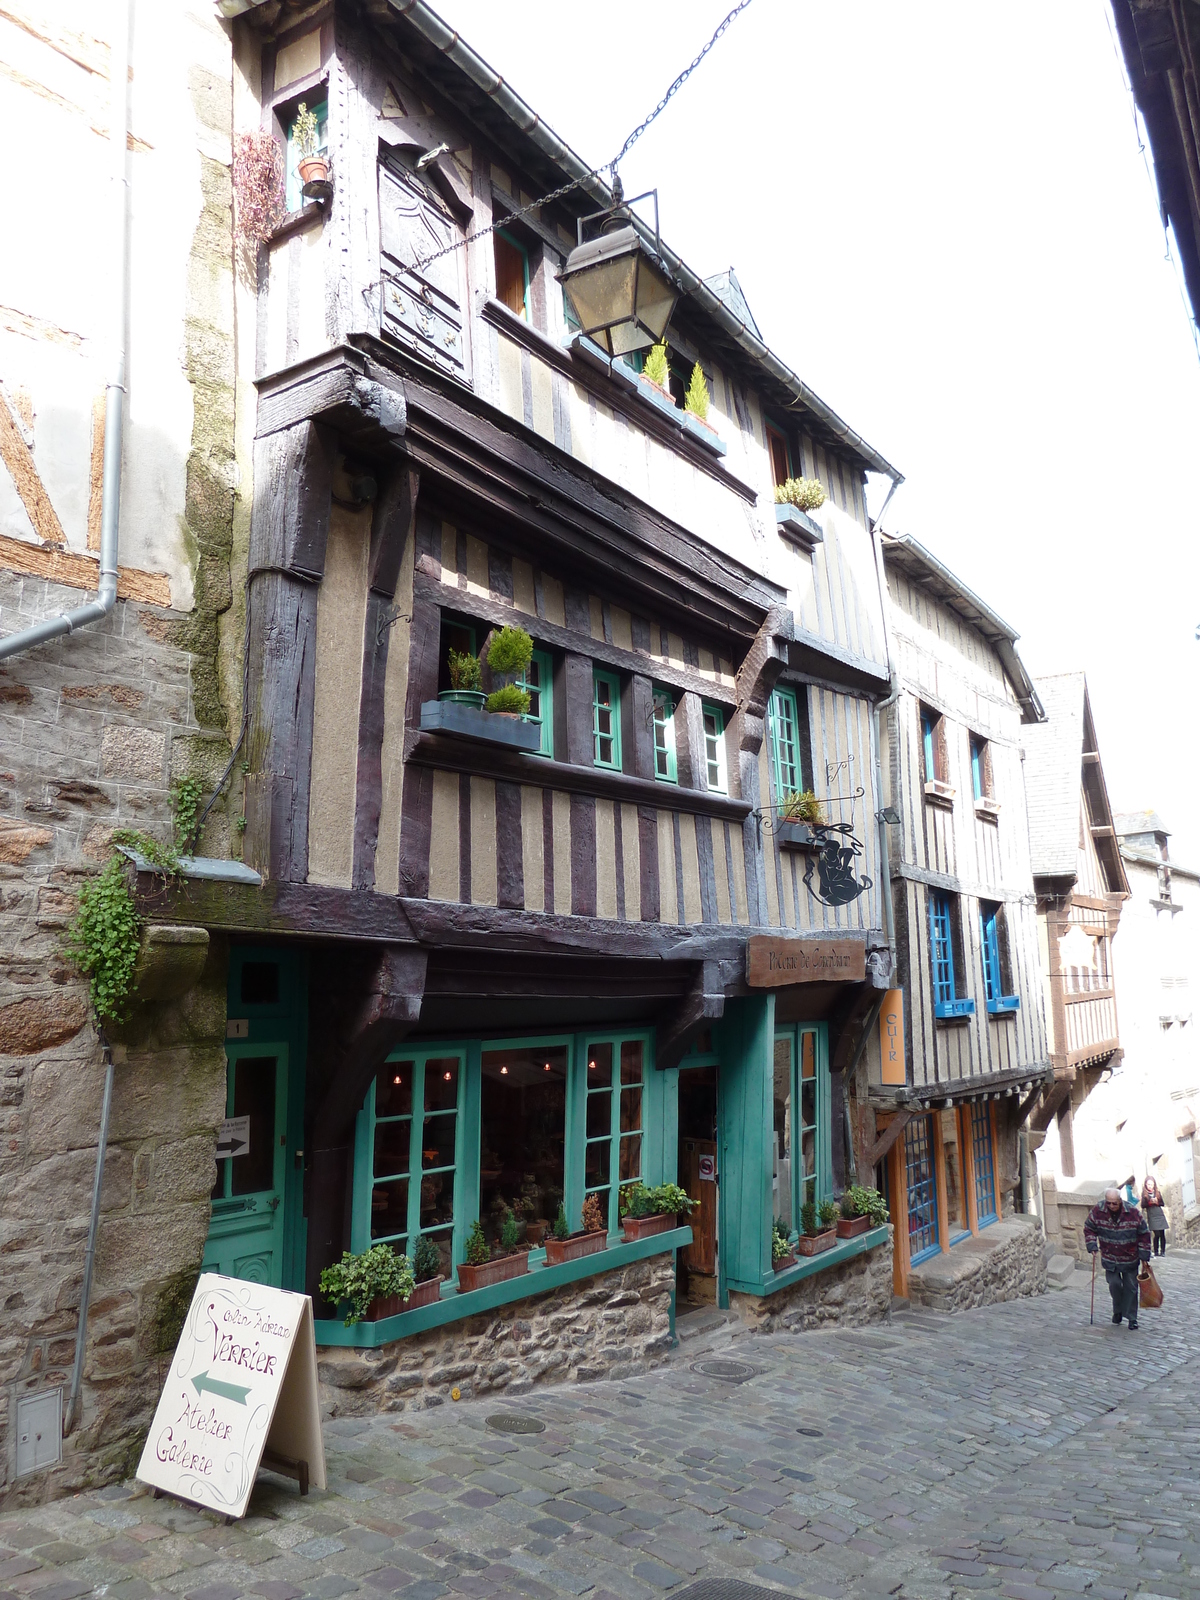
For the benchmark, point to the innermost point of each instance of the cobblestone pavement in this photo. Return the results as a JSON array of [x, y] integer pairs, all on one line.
[[1013, 1450]]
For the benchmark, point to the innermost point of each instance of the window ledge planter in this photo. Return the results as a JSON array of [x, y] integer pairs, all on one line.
[[498, 1271], [851, 1227], [796, 835], [1004, 1005], [462, 697], [704, 432], [953, 1010], [798, 526], [940, 794], [987, 810], [573, 1247], [644, 1227], [812, 1244], [426, 1293], [471, 722], [384, 1305]]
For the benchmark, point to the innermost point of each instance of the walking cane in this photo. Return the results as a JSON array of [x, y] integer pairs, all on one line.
[[1092, 1318]]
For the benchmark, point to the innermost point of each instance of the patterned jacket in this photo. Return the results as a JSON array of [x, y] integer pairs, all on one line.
[[1122, 1240]]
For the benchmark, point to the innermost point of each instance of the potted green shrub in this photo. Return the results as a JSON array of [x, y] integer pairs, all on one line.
[[465, 673], [817, 1225], [656, 373], [696, 402], [646, 1211], [427, 1269], [794, 499], [782, 1255], [312, 166], [861, 1209], [508, 653], [799, 813], [369, 1286], [485, 1265], [563, 1245]]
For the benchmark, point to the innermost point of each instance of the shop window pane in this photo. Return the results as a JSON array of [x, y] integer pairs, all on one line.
[[808, 1055], [522, 1132], [437, 1141], [631, 1157], [260, 983], [922, 1189], [254, 1097], [441, 1084], [632, 1052], [443, 1239], [599, 1113], [600, 1066], [389, 1209], [392, 1143], [393, 1089], [782, 1126], [957, 1221], [437, 1199], [631, 1110], [981, 1151], [597, 1164]]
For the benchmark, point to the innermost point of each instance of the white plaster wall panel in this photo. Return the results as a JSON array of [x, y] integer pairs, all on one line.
[[310, 263]]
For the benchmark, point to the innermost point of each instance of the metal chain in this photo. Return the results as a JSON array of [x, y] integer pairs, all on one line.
[[609, 166]]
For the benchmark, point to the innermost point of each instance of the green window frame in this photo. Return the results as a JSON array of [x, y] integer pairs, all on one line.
[[614, 1091], [538, 680], [415, 1133], [787, 762], [801, 1085], [666, 768], [292, 198], [715, 768], [606, 720]]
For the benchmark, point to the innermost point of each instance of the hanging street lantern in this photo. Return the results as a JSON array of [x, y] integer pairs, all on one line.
[[619, 290]]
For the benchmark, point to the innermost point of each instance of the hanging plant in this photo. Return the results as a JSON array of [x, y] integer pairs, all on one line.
[[257, 185]]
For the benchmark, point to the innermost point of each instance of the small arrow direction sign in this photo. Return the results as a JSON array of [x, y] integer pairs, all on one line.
[[228, 1391], [233, 1137]]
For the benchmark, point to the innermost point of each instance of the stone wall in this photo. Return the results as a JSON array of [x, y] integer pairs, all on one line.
[[1004, 1262], [606, 1327], [849, 1295], [1066, 1210]]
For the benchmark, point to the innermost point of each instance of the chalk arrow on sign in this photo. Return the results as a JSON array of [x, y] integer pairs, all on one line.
[[228, 1391]]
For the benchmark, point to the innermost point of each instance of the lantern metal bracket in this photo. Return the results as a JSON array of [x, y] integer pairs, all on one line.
[[619, 212]]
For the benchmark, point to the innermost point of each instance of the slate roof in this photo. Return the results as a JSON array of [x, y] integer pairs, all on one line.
[[729, 292], [1056, 780], [1126, 822]]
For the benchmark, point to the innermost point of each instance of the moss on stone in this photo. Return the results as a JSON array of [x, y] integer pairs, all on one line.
[[170, 1308]]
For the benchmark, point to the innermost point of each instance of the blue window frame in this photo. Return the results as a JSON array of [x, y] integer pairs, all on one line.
[[946, 1002], [606, 720], [929, 742], [921, 1181], [538, 679], [978, 766], [665, 764], [983, 1163], [990, 937]]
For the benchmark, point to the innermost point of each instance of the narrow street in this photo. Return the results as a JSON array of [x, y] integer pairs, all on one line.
[[1014, 1450]]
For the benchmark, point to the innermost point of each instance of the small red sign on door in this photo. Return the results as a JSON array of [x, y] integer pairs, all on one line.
[[708, 1168]]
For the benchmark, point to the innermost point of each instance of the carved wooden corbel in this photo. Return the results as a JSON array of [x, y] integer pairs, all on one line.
[[704, 1003]]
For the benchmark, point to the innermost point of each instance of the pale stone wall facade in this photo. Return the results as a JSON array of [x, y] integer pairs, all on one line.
[[611, 1326], [849, 1295]]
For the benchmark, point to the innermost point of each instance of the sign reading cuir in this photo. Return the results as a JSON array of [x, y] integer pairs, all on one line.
[[771, 963]]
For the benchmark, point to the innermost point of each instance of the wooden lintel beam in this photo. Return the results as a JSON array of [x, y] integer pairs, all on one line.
[[886, 1140]]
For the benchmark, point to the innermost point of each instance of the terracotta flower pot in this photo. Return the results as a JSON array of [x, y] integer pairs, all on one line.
[[498, 1271], [385, 1305], [851, 1227], [643, 1227], [570, 1249], [811, 1244], [535, 1233], [427, 1293], [313, 169], [783, 1263]]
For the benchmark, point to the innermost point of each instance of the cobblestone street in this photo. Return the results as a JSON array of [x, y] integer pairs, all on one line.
[[1012, 1450]]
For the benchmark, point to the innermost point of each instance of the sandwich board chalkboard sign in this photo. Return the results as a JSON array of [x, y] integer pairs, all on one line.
[[243, 1380]]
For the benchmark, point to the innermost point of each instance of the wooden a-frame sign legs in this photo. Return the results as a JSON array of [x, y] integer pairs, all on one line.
[[243, 1383]]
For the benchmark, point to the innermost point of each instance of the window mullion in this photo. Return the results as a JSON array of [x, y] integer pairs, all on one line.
[[416, 1133]]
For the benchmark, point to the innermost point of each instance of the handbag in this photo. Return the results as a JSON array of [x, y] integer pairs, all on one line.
[[1149, 1289]]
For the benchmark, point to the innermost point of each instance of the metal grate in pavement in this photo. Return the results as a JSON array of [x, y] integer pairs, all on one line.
[[723, 1589], [730, 1371], [510, 1422]]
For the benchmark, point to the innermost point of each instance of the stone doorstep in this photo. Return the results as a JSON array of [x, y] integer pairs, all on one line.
[[943, 1273]]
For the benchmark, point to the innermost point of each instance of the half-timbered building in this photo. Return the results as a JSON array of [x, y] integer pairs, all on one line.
[[962, 1045], [1081, 885]]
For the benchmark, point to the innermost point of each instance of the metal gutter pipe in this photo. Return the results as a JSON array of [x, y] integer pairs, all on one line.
[[110, 501], [89, 1262]]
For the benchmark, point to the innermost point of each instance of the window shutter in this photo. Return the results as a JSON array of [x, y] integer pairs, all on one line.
[[422, 310]]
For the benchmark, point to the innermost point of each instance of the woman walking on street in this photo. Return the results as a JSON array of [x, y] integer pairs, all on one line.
[[1156, 1217]]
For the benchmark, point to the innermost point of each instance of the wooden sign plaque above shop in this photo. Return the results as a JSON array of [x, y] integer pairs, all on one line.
[[771, 962]]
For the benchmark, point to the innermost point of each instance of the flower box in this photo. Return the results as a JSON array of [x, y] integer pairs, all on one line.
[[812, 1244], [798, 526], [471, 722], [498, 1271], [851, 1227], [645, 1227], [427, 1293], [796, 835], [573, 1247], [384, 1305], [784, 1262], [703, 430]]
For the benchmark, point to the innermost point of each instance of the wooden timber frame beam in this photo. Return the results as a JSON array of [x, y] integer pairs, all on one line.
[[885, 1141], [704, 1003], [756, 679]]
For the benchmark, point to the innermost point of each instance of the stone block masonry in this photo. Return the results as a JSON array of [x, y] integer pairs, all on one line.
[[612, 1326], [1006, 1261], [850, 1295]]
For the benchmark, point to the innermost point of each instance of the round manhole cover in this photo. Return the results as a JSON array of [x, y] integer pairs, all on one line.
[[507, 1422], [811, 1433], [731, 1371]]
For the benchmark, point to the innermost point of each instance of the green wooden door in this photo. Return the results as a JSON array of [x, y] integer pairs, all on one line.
[[246, 1234]]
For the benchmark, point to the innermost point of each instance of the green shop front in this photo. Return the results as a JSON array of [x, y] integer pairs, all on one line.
[[453, 1125]]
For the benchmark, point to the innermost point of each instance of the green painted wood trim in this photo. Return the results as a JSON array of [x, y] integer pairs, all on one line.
[[455, 1306], [806, 1268]]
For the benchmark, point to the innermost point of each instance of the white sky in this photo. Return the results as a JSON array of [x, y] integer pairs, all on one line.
[[941, 220]]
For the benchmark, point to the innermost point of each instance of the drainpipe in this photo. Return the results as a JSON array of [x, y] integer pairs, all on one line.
[[893, 694], [89, 1260], [97, 609]]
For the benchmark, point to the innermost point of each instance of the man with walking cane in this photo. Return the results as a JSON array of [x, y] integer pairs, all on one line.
[[1120, 1233]]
